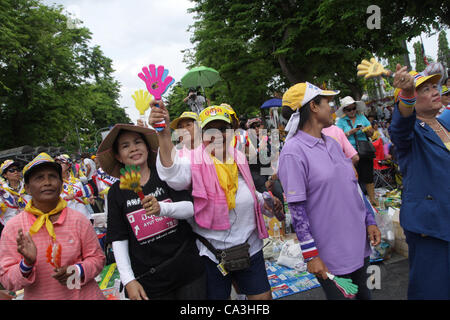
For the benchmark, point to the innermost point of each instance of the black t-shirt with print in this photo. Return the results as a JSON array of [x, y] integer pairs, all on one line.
[[154, 240]]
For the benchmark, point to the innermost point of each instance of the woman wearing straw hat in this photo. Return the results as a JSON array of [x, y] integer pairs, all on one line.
[[332, 221], [422, 144], [357, 127], [227, 208], [154, 247], [47, 223]]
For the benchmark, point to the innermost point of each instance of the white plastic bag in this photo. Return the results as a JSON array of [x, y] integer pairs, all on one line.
[[384, 222]]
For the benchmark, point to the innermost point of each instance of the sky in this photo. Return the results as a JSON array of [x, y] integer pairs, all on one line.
[[136, 33]]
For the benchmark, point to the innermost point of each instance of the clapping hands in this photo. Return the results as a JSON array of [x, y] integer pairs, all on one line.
[[156, 80]]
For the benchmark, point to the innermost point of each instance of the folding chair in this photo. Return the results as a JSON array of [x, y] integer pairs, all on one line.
[[383, 171]]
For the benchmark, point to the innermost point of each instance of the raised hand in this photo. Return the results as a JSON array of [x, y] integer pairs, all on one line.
[[141, 123], [159, 114], [404, 80], [142, 100], [371, 69], [157, 81]]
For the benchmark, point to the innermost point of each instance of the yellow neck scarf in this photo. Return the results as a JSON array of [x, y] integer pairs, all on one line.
[[228, 179], [44, 217], [447, 144]]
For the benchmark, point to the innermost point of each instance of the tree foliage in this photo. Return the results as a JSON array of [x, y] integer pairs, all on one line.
[[263, 47], [419, 54], [51, 80], [443, 50]]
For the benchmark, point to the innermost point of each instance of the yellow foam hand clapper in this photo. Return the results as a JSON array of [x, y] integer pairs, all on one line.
[[142, 100], [371, 69]]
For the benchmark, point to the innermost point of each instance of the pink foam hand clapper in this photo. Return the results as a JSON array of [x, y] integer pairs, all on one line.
[[157, 82]]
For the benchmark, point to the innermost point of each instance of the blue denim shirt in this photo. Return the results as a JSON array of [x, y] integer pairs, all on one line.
[[424, 162]]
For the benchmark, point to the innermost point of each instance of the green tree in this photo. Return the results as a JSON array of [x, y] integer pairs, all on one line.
[[418, 52], [261, 47], [175, 101], [443, 50], [51, 80]]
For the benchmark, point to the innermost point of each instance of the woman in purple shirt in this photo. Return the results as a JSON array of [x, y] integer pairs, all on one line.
[[332, 220]]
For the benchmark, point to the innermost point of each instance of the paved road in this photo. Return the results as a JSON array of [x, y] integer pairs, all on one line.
[[394, 282]]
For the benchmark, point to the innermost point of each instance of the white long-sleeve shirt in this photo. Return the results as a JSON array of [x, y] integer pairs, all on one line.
[[177, 210], [242, 218]]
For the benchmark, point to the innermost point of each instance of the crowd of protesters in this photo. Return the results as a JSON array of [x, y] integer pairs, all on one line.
[[209, 178]]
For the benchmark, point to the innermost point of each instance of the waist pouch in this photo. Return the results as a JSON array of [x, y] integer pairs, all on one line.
[[232, 259]]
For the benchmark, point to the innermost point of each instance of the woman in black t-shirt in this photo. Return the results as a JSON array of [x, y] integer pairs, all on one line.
[[156, 254]]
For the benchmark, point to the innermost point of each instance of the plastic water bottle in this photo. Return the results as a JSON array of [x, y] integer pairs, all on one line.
[[276, 243], [276, 231], [381, 203], [288, 222]]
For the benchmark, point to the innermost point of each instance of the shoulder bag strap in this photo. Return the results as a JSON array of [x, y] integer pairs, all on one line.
[[217, 253], [354, 135]]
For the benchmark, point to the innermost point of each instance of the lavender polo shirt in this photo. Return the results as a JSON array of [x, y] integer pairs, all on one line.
[[316, 171]]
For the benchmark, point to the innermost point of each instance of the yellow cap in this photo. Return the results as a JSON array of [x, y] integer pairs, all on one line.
[[214, 113], [230, 110], [301, 93], [6, 164], [184, 115], [420, 79], [39, 160]]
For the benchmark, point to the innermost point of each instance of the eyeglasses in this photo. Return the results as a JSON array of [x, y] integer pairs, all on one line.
[[12, 170], [351, 109]]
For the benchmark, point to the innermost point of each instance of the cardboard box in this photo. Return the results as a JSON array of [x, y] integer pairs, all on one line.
[[400, 245]]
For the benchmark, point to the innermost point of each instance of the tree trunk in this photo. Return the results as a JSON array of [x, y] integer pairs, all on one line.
[[356, 92], [292, 78]]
